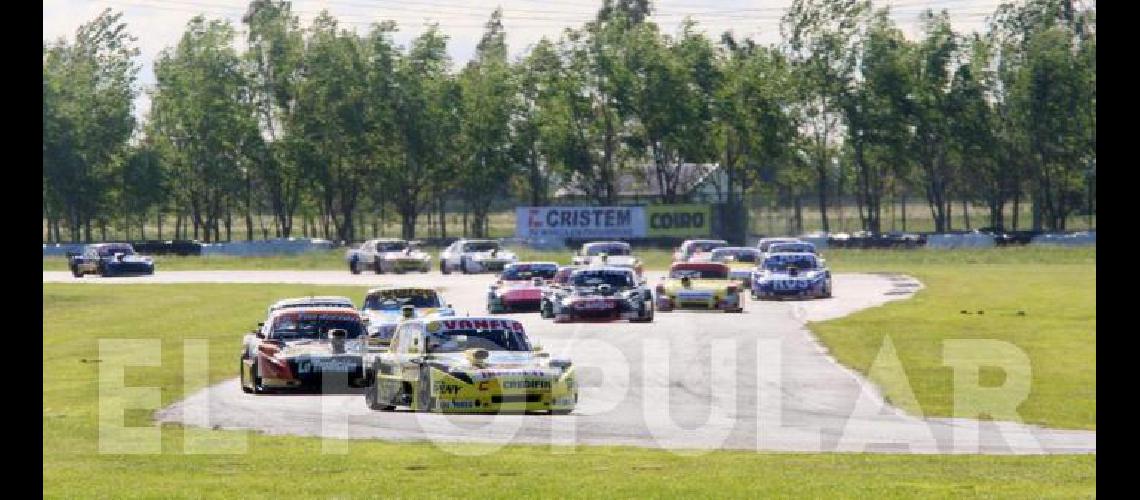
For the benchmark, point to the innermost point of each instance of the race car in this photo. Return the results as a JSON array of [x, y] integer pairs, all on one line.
[[109, 259], [313, 301], [469, 365], [696, 249], [600, 293], [304, 348], [475, 256], [561, 280], [791, 247], [610, 253], [388, 255], [791, 275], [741, 261], [764, 243], [519, 287], [384, 309], [699, 285]]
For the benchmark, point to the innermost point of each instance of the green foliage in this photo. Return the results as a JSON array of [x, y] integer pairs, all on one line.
[[339, 127]]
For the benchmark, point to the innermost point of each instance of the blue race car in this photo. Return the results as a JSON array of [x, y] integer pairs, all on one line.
[[791, 275], [109, 259]]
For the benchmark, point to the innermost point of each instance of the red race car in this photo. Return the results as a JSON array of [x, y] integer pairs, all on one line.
[[520, 287]]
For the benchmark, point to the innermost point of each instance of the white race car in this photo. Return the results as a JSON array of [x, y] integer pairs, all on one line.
[[475, 256], [608, 253], [387, 255]]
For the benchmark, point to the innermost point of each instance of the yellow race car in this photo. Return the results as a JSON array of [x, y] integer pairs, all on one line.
[[469, 365], [699, 285]]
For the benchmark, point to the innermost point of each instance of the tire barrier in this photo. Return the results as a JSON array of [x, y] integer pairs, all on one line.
[[281, 246], [1083, 238]]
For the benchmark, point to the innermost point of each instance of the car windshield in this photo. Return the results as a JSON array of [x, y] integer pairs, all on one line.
[[783, 262], [526, 272], [108, 251], [706, 246], [481, 246], [491, 339], [735, 254], [616, 279], [608, 249], [314, 327], [391, 246], [699, 274], [563, 275], [767, 245], [394, 300], [791, 247]]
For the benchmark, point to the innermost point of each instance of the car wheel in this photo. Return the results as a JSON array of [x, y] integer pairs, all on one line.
[[246, 388], [75, 271], [560, 412], [372, 397], [546, 309], [443, 267], [354, 266], [463, 266], [827, 291], [377, 266], [257, 387]]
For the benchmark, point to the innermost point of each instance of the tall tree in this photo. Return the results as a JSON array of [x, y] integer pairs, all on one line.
[[275, 52], [88, 94]]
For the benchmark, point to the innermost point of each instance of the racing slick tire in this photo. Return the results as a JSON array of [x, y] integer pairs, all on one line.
[[377, 266], [372, 398], [546, 310], [463, 266], [241, 370], [256, 382], [643, 315], [443, 267], [75, 271], [827, 292], [354, 266], [560, 412]]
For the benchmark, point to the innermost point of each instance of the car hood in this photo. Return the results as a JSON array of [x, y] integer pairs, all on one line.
[[299, 348], [502, 255], [130, 258], [497, 364], [674, 285], [401, 255], [381, 317]]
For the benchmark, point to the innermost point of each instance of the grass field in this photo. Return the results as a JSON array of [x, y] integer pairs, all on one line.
[[75, 316], [1056, 289]]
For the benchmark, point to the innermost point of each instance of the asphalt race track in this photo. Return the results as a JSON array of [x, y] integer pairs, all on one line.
[[689, 380]]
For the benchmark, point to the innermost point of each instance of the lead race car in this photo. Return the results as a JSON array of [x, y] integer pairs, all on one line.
[[469, 365], [741, 261], [475, 256], [791, 275], [304, 348], [388, 255], [384, 308], [610, 253], [520, 287], [600, 293], [109, 259], [699, 285]]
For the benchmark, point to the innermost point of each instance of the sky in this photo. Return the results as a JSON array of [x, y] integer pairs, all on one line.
[[159, 23]]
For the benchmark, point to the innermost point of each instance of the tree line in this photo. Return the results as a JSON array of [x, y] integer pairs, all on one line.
[[326, 121]]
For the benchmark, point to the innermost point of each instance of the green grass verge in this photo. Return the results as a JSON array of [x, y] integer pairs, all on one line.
[[76, 316], [1056, 289]]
